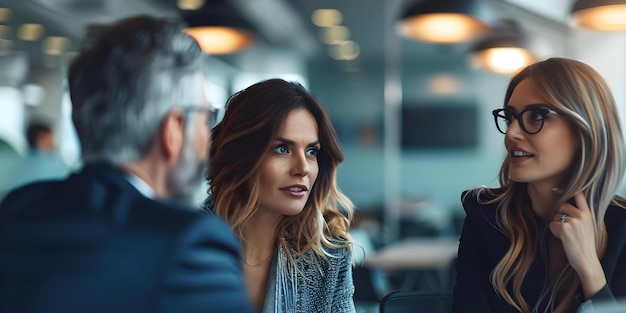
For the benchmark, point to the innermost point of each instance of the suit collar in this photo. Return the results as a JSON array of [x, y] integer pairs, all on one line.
[[119, 176]]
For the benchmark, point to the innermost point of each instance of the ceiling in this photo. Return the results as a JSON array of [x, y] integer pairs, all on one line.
[[285, 25], [373, 23]]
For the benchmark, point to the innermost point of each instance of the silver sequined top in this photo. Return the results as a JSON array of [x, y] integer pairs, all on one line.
[[312, 290]]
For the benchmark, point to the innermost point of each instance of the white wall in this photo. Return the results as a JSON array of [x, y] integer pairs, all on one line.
[[606, 52]]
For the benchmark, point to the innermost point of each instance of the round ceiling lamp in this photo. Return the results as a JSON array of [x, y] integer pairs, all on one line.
[[218, 27], [503, 50], [602, 15], [441, 21]]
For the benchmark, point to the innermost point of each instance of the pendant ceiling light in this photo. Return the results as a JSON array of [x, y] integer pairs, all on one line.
[[218, 27], [441, 21], [502, 50], [602, 15]]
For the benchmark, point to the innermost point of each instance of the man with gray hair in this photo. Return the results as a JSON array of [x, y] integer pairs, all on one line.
[[112, 238]]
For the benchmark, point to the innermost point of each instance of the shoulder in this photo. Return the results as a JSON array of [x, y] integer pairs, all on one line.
[[204, 268], [340, 255], [617, 206], [341, 252], [479, 202], [334, 260], [207, 243], [614, 258], [615, 218], [28, 197], [337, 266], [480, 194], [114, 201], [211, 229], [616, 212], [189, 224]]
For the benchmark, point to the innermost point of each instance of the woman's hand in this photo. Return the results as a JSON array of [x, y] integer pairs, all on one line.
[[574, 226]]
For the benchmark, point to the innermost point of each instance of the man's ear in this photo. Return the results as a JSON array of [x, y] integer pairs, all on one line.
[[172, 136]]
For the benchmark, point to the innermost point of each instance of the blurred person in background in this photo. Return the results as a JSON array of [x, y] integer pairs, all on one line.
[[42, 161], [14, 69], [272, 171], [552, 237], [117, 236]]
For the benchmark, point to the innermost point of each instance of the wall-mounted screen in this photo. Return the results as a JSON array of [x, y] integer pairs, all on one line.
[[438, 127]]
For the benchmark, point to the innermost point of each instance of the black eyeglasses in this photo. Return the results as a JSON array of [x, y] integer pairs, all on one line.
[[530, 120]]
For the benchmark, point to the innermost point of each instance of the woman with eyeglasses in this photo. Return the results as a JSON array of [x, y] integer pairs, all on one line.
[[272, 177], [552, 237]]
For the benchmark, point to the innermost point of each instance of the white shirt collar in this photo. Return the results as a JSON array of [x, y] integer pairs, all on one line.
[[141, 186]]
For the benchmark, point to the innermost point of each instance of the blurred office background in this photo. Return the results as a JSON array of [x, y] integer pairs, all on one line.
[[413, 115]]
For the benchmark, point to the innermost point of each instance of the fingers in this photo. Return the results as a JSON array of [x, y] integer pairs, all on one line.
[[556, 228], [571, 216], [581, 202], [564, 220], [561, 218]]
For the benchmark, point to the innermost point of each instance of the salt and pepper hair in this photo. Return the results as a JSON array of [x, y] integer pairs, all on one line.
[[253, 121], [125, 79], [581, 95]]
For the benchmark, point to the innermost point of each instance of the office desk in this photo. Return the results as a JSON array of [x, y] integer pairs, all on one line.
[[429, 257], [415, 253]]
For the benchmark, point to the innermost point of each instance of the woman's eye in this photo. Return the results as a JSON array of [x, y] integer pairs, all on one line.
[[282, 149], [536, 115], [312, 152]]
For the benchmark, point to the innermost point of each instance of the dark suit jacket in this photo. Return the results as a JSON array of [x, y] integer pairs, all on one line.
[[93, 243], [482, 245]]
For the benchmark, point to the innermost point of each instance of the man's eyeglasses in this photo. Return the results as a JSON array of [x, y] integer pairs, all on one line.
[[530, 120], [213, 113]]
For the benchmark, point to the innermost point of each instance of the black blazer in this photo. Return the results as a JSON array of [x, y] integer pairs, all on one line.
[[482, 245], [93, 243]]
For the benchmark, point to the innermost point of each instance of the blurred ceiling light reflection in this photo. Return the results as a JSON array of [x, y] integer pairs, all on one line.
[[334, 35], [5, 14], [503, 50], [441, 28], [348, 50], [30, 32], [602, 15], [326, 17], [218, 27], [441, 21], [503, 60], [190, 4], [443, 84], [55, 45], [220, 40]]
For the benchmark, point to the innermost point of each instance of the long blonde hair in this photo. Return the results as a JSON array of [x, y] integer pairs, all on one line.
[[579, 93], [253, 120]]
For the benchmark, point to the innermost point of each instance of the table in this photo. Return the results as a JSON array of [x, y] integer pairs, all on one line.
[[428, 261], [415, 253]]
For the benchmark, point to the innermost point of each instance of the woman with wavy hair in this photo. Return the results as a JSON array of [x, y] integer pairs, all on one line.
[[552, 237], [273, 166]]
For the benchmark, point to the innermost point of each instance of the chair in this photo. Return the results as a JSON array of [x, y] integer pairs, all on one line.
[[416, 302], [370, 284]]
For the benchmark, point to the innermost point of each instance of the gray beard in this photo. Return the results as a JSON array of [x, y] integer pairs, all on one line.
[[186, 177]]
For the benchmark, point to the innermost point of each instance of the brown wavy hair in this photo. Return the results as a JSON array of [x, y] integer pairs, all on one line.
[[253, 120]]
